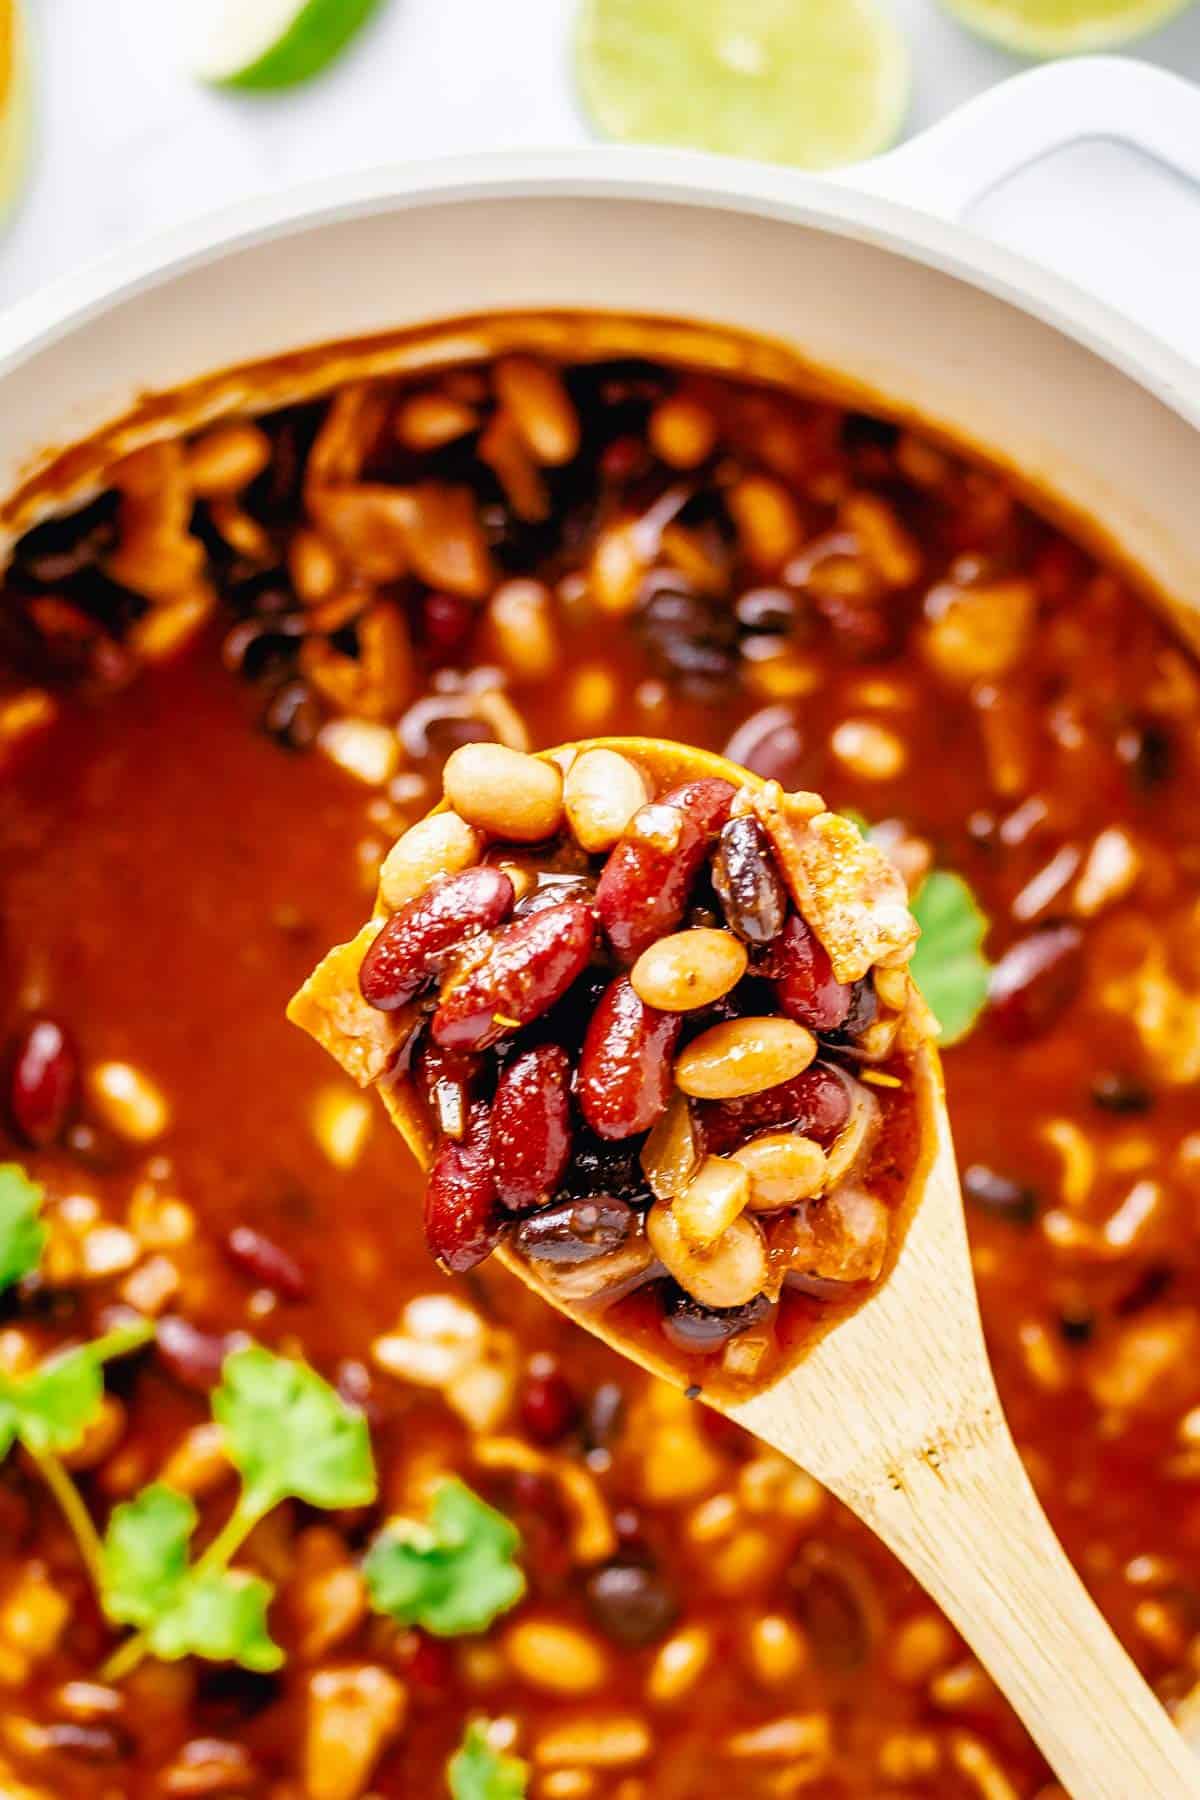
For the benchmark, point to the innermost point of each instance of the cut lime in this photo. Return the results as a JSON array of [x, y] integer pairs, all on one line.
[[809, 82], [1062, 27], [269, 43], [15, 108]]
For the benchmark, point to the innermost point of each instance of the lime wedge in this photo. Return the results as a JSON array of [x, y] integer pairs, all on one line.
[[1062, 27], [269, 43], [15, 108], [808, 82]]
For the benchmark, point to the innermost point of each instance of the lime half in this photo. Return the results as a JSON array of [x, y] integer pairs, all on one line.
[[269, 43], [15, 107], [809, 82], [1063, 27]]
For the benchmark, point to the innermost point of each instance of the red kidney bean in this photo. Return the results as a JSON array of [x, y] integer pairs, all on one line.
[[548, 1405], [461, 1227], [266, 1263], [625, 1069], [195, 1357], [644, 886], [444, 624], [43, 1085], [1035, 981], [531, 1127], [576, 1231], [446, 1079], [805, 986], [816, 1102], [403, 957], [428, 1662], [524, 971], [749, 886]]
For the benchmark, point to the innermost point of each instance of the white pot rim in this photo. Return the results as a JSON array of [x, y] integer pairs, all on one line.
[[835, 205]]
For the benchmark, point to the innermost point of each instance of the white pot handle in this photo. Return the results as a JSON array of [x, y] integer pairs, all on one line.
[[949, 168]]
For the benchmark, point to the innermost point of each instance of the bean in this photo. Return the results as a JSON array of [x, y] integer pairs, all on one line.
[[804, 980], [729, 1273], [577, 1231], [749, 886], [446, 1080], [1000, 1195], [227, 458], [1035, 981], [602, 791], [504, 792], [784, 1168], [645, 885], [816, 1102], [461, 1228], [531, 1127], [547, 1405], [195, 1357], [631, 1603], [699, 1330], [404, 955], [527, 967], [624, 1080], [689, 969], [717, 1195], [535, 397], [744, 1056], [266, 1262], [682, 431], [555, 1658], [43, 1083]]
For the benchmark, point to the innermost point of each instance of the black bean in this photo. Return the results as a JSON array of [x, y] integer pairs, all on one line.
[[1118, 1093], [53, 552], [700, 1330], [1148, 751], [293, 716], [688, 634], [771, 609], [604, 1416], [631, 1603], [748, 883], [575, 1231], [1000, 1195]]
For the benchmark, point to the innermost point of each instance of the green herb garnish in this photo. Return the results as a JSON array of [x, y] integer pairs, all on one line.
[[949, 965], [289, 1435], [183, 1610], [477, 1772], [22, 1234], [453, 1575]]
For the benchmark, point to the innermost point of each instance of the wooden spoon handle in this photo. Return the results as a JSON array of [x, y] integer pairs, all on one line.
[[972, 1530]]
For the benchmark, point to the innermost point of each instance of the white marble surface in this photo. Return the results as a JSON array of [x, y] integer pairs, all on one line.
[[126, 143]]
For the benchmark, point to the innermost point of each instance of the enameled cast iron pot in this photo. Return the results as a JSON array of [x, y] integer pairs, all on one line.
[[869, 276]]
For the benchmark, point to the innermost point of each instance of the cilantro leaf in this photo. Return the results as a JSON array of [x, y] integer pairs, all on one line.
[[455, 1574], [949, 966], [477, 1772], [289, 1434], [219, 1614], [22, 1234], [50, 1408]]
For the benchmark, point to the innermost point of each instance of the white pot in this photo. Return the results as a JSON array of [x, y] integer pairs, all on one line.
[[929, 317]]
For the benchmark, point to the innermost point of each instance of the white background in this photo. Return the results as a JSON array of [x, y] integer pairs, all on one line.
[[128, 143]]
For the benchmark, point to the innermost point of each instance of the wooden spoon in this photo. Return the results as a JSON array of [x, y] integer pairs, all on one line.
[[896, 1412]]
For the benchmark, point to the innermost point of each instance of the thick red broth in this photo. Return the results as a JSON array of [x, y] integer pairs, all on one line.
[[209, 750]]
